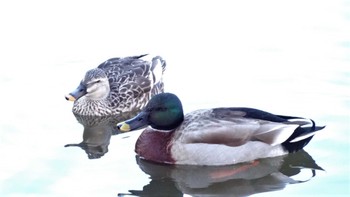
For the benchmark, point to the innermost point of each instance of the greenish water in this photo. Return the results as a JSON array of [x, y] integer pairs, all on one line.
[[288, 58]]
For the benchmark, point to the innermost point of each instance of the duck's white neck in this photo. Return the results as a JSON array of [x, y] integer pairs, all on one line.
[[158, 130]]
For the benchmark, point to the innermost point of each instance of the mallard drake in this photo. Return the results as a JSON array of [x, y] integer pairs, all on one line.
[[218, 136], [118, 85]]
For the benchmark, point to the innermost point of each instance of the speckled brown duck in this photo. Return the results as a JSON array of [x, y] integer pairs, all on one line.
[[118, 85]]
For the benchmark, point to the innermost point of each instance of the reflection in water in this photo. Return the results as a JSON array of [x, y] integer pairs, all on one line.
[[263, 175], [97, 133]]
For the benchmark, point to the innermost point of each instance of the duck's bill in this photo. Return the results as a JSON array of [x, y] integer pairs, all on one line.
[[77, 93], [137, 122], [69, 97]]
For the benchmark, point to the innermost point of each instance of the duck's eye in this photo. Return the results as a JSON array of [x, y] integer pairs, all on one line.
[[161, 109], [94, 82]]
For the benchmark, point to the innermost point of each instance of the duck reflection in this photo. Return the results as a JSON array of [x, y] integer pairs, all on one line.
[[97, 133], [244, 179]]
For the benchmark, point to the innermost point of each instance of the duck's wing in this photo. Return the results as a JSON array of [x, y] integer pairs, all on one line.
[[115, 67], [116, 62], [237, 126], [134, 80]]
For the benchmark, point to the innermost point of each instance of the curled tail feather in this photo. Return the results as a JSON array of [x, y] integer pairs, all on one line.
[[302, 134]]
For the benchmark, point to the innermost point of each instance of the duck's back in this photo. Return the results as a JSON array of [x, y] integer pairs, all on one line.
[[133, 81], [119, 70], [224, 136]]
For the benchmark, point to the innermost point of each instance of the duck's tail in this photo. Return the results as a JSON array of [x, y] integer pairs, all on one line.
[[158, 67], [302, 134]]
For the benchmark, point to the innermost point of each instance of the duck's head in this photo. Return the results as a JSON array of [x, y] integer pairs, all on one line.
[[163, 112], [94, 86]]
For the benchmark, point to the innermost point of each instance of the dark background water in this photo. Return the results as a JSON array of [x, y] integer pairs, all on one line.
[[284, 57]]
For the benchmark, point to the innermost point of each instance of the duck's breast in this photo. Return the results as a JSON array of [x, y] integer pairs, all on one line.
[[155, 146]]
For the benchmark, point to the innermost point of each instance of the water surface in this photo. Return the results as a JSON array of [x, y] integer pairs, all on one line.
[[288, 58]]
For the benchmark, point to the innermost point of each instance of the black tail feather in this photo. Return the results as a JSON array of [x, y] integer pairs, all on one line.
[[293, 146]]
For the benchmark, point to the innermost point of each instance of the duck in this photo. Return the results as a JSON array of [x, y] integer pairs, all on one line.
[[118, 85], [216, 136]]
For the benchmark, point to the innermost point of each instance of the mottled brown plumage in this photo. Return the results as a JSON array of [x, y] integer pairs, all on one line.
[[118, 85]]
